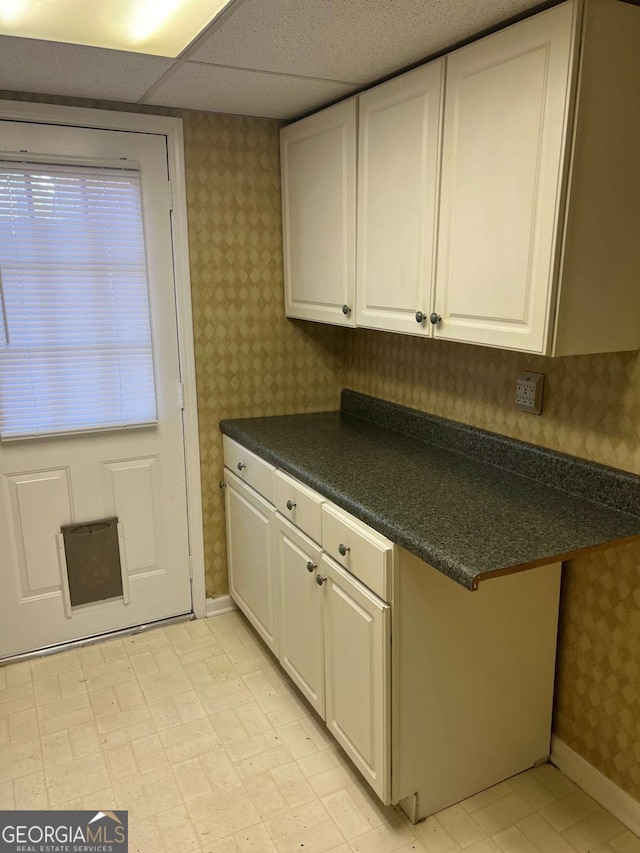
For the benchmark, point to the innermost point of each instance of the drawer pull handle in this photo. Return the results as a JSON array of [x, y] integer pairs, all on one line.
[[344, 549], [241, 466], [311, 566], [291, 504], [320, 579]]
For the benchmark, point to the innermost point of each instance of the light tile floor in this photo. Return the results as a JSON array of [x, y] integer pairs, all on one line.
[[194, 730]]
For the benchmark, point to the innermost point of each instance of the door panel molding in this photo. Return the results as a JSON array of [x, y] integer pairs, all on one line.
[[37, 556], [132, 488]]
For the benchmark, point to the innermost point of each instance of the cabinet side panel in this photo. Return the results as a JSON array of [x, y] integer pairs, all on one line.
[[599, 305], [473, 680]]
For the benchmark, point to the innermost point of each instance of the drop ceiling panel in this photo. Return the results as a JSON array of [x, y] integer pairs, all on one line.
[[53, 68], [359, 40], [217, 89]]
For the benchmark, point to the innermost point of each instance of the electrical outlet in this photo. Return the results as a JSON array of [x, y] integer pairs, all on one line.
[[529, 392]]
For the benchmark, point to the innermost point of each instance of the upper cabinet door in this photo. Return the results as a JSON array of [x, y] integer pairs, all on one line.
[[319, 215], [507, 99], [398, 160]]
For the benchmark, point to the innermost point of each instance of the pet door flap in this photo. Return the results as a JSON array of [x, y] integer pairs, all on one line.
[[93, 560]]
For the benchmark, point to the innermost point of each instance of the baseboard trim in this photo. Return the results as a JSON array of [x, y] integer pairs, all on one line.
[[219, 605], [603, 790]]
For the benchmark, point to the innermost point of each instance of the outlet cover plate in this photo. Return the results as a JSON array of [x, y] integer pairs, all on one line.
[[529, 387]]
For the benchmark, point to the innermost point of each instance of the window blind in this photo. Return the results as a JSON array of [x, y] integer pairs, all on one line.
[[75, 337]]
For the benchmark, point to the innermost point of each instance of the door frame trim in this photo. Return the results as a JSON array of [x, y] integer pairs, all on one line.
[[171, 128]]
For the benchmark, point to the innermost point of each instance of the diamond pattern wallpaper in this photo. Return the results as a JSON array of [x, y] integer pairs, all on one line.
[[252, 361]]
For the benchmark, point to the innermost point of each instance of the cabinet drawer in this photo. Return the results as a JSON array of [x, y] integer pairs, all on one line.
[[366, 554], [299, 504], [249, 467]]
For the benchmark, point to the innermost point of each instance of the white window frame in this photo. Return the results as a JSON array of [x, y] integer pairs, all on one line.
[[171, 128]]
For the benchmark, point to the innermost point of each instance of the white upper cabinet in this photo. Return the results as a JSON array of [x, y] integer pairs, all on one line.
[[504, 137], [319, 215], [398, 173], [540, 185], [507, 217]]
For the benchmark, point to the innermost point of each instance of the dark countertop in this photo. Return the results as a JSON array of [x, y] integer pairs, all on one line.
[[426, 484]]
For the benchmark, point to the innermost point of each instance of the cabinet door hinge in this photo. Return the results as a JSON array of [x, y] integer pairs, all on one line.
[[170, 194], [191, 567], [181, 395]]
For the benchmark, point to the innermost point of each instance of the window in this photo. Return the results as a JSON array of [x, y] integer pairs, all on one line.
[[75, 338]]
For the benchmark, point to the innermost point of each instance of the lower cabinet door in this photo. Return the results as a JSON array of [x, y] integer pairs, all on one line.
[[300, 611], [252, 578], [357, 673]]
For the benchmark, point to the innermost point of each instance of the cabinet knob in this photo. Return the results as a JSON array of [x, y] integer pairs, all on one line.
[[320, 579], [241, 466], [435, 318], [291, 504], [420, 317], [222, 484], [311, 566], [346, 309], [343, 549]]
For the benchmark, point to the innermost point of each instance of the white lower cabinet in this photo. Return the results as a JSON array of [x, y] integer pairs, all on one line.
[[330, 632], [357, 645], [462, 697], [335, 646], [250, 557], [300, 609]]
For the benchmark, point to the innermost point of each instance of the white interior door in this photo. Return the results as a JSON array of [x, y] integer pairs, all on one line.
[[136, 474]]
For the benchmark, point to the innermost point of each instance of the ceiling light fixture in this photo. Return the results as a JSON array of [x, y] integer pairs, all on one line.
[[11, 10], [156, 27]]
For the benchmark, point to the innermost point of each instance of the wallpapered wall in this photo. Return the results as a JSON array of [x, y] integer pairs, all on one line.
[[251, 361], [591, 409]]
